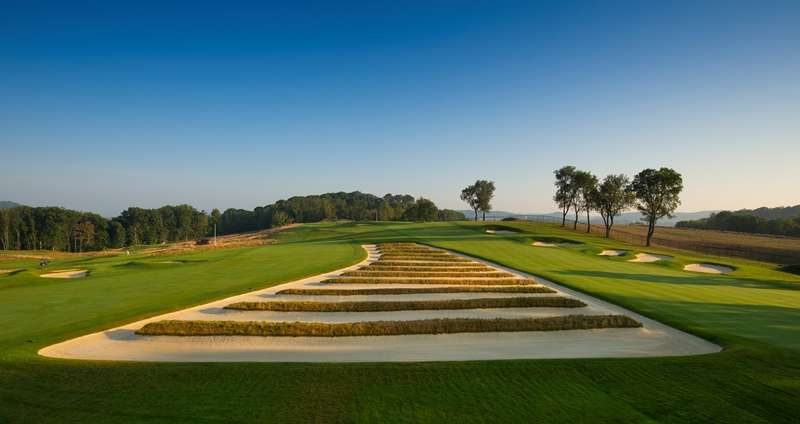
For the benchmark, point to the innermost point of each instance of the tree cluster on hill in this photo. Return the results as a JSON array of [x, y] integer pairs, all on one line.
[[356, 206], [746, 221], [654, 192], [34, 228]]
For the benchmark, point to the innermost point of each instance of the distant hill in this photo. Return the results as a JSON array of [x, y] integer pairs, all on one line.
[[6, 204], [771, 213], [784, 221], [625, 218]]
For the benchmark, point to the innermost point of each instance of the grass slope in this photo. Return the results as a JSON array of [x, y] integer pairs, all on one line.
[[753, 312]]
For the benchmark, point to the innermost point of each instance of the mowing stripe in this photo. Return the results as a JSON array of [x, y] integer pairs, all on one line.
[[411, 305], [416, 290], [383, 328]]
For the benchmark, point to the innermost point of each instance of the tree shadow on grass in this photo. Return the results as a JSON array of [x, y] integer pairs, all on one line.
[[706, 280]]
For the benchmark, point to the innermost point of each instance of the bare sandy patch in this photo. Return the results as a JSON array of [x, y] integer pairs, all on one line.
[[66, 273], [650, 257], [543, 244], [122, 343], [612, 253], [708, 268], [7, 271], [500, 232]]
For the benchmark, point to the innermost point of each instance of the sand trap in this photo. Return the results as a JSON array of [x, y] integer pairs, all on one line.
[[650, 257], [121, 343], [612, 253], [66, 273], [543, 244], [708, 268], [500, 232]]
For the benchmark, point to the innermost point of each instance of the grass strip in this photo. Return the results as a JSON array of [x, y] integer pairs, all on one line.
[[410, 305], [416, 290], [384, 328], [375, 267], [424, 258], [458, 282], [428, 264], [447, 274]]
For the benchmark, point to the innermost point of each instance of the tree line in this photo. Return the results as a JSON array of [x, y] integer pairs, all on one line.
[[654, 192], [355, 206], [745, 223], [56, 228]]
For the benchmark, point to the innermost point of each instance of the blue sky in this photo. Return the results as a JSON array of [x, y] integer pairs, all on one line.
[[240, 104]]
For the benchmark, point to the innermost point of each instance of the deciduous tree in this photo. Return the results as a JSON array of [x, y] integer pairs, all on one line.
[[657, 193]]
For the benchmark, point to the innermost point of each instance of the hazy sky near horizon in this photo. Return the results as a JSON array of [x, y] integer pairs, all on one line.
[[106, 105]]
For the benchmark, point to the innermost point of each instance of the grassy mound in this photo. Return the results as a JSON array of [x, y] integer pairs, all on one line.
[[383, 328], [417, 290], [411, 305], [460, 281]]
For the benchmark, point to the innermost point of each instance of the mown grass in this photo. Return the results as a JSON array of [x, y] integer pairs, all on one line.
[[441, 274], [416, 290], [384, 328], [754, 312], [410, 305], [458, 281]]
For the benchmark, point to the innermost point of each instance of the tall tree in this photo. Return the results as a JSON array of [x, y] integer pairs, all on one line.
[[565, 190], [484, 192], [613, 197], [470, 195], [584, 183], [657, 193]]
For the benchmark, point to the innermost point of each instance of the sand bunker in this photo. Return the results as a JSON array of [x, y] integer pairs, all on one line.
[[708, 268], [650, 257], [66, 273], [543, 244], [499, 232], [7, 271], [612, 253], [122, 343]]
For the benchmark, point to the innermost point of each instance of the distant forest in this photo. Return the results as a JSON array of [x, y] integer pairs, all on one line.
[[30, 228], [783, 221]]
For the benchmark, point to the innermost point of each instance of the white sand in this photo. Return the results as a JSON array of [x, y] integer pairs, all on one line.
[[121, 343], [612, 253], [6, 271], [708, 268], [650, 257], [67, 273], [543, 244], [500, 232]]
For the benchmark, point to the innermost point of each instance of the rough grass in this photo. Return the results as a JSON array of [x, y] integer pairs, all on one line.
[[443, 274], [416, 290], [460, 281], [411, 305], [439, 264], [383, 328], [382, 268], [450, 258]]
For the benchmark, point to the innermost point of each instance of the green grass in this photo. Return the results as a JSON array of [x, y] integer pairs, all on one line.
[[410, 305], [753, 312], [384, 328]]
